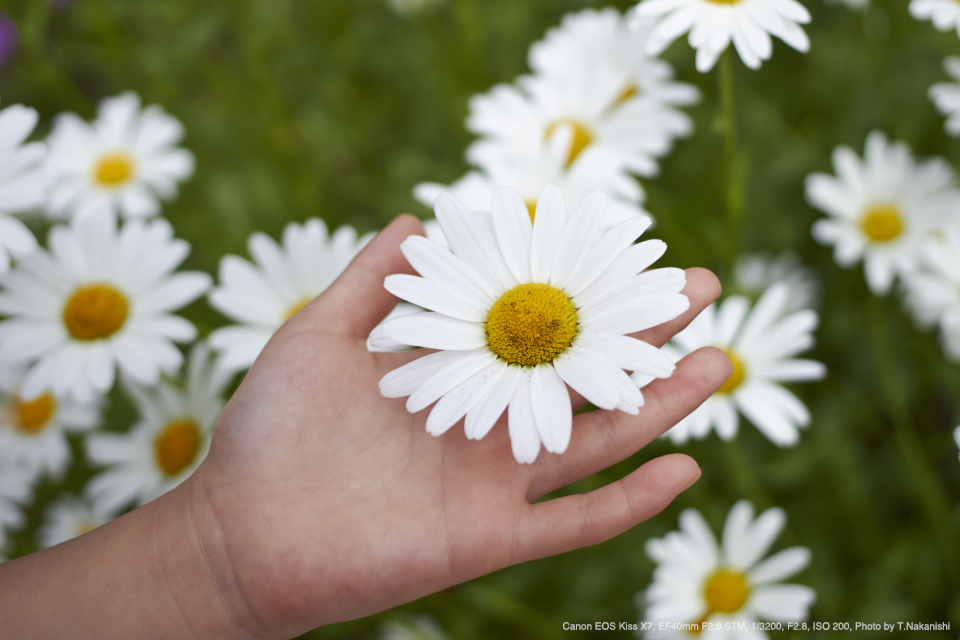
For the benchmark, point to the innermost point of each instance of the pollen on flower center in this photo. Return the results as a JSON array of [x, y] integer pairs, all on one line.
[[95, 311], [113, 169], [531, 207], [582, 136], [292, 311], [176, 446], [531, 324], [739, 373], [33, 417], [882, 223], [726, 591]]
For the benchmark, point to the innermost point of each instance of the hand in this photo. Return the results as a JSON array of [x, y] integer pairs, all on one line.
[[322, 501]]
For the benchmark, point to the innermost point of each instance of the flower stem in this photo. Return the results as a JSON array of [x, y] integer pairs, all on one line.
[[727, 125], [930, 494]]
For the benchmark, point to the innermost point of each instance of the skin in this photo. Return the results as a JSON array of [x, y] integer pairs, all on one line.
[[322, 501]]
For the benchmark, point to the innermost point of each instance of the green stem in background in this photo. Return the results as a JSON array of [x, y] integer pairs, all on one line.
[[930, 493], [742, 471], [727, 125]]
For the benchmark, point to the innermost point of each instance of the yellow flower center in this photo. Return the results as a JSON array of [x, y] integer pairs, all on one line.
[[531, 207], [726, 591], [725, 1], [113, 169], [531, 324], [176, 446], [292, 311], [95, 311], [582, 136], [739, 373], [84, 527], [628, 92], [882, 223], [33, 417]]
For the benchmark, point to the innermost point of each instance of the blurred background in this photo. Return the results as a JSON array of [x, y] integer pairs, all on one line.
[[337, 109]]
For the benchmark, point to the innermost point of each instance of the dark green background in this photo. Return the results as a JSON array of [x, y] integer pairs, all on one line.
[[338, 108]]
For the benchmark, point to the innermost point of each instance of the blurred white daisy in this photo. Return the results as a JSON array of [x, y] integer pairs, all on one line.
[[124, 162], [14, 491], [262, 296], [23, 184], [933, 292], [408, 627], [946, 95], [593, 85], [101, 298], [698, 580], [166, 445], [754, 273], [410, 8], [529, 175], [761, 343], [67, 518], [881, 208], [714, 24], [33, 432], [519, 310], [945, 14]]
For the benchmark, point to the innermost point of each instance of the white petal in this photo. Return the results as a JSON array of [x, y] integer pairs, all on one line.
[[435, 331], [524, 439], [551, 408]]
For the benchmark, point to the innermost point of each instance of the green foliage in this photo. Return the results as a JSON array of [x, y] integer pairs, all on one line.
[[336, 109]]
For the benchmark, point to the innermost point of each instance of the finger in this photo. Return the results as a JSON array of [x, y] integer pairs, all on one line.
[[572, 522], [356, 302], [602, 438]]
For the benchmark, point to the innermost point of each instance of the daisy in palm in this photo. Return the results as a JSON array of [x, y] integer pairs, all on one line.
[[945, 14], [33, 431], [67, 518], [698, 580], [761, 343], [22, 183], [166, 445], [714, 24], [946, 95], [262, 296], [881, 209], [933, 292], [124, 162], [101, 298], [519, 310]]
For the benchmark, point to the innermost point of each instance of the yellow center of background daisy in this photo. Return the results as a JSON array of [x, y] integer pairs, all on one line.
[[32, 417], [582, 136], [84, 527], [628, 92], [725, 1], [95, 311], [882, 223], [531, 324], [292, 311], [176, 446], [726, 591], [739, 373], [113, 169], [531, 207]]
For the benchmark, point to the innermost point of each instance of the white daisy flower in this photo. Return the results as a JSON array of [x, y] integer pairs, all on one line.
[[68, 518], [14, 491], [407, 627], [166, 445], [33, 432], [698, 580], [614, 104], [519, 310], [23, 185], [946, 95], [761, 343], [714, 24], [933, 292], [124, 162], [101, 298], [262, 296], [754, 273], [881, 208], [945, 14]]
